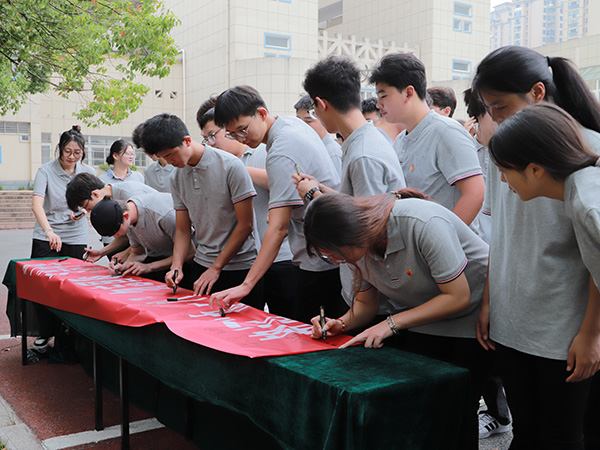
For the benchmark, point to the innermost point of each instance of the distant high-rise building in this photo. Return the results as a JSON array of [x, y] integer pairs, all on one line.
[[533, 23]]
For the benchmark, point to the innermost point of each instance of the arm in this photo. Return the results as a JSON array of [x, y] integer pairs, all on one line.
[[454, 297], [277, 230], [482, 327], [244, 214], [116, 245], [183, 235], [37, 206], [472, 192], [305, 183], [584, 353], [259, 177]]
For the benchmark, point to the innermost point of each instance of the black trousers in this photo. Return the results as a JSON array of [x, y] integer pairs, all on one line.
[[279, 289], [317, 289], [40, 321], [547, 412]]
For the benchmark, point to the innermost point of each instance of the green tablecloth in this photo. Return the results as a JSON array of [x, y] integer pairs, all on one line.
[[341, 399]]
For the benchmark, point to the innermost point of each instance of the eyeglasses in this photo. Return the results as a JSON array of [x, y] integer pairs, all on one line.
[[131, 154], [210, 139], [72, 152], [311, 111], [331, 260], [242, 134]]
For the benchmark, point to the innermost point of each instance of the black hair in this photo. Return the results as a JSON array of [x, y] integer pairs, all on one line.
[[208, 116], [80, 189], [443, 97], [370, 105], [206, 106], [401, 70], [136, 136], [335, 79], [542, 134], [475, 106], [235, 102], [516, 69], [117, 148], [162, 132], [72, 135], [304, 103]]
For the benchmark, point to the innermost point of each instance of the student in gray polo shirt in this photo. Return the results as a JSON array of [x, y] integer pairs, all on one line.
[[369, 163], [436, 153], [291, 145], [158, 174], [279, 281], [57, 231], [148, 220], [86, 190], [121, 157], [422, 257], [212, 191], [302, 107]]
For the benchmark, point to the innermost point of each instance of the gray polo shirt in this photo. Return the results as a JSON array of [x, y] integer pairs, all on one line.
[[256, 157], [208, 191], [538, 282], [334, 150], [109, 177], [435, 155], [482, 224], [159, 177], [427, 246], [370, 165], [155, 226], [125, 190], [292, 142], [582, 204], [51, 184]]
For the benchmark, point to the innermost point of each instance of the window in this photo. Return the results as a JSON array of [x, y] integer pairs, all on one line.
[[573, 32], [14, 128], [278, 41], [463, 9], [467, 26], [573, 14], [461, 66], [46, 147], [573, 23], [457, 25], [573, 5]]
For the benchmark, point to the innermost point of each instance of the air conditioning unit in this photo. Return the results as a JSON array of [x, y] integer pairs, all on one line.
[[23, 138]]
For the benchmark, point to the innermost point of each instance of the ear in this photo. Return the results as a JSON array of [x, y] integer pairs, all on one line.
[[262, 112], [538, 92], [95, 194], [187, 141], [535, 170], [409, 92], [323, 104]]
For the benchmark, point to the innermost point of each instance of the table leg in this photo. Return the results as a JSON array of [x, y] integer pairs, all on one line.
[[97, 364], [124, 397], [23, 331]]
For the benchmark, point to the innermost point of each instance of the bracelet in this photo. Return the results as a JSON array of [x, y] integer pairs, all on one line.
[[392, 324], [343, 324], [46, 230], [310, 194]]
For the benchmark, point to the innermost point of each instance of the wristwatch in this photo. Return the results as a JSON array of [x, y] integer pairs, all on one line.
[[310, 194]]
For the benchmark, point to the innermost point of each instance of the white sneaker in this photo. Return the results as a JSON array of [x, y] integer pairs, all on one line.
[[488, 426]]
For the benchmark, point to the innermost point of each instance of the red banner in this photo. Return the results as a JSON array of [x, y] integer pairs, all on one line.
[[88, 289]]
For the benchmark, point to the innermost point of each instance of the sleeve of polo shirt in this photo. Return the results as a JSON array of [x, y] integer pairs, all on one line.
[[456, 155], [368, 177], [239, 181], [588, 240], [133, 242], [441, 249], [40, 184], [168, 224], [282, 190], [177, 201]]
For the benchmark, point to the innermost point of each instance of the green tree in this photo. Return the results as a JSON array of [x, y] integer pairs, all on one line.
[[100, 49]]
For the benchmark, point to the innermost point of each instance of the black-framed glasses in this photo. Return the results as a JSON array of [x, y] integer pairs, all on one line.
[[242, 134], [210, 139], [311, 111]]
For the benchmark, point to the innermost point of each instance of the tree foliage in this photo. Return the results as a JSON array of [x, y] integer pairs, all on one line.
[[100, 49]]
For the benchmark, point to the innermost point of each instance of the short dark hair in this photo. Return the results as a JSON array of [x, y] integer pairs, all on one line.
[[304, 103], [162, 132], [401, 70], [335, 79], [443, 97], [235, 102], [208, 115], [136, 136], [370, 105], [80, 189], [206, 106], [475, 106]]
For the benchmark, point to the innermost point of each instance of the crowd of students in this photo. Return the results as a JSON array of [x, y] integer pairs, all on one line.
[[408, 234]]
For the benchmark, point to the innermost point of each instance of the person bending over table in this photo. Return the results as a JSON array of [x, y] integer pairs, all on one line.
[[424, 259]]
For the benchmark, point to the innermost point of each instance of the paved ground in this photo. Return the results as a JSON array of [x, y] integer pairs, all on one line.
[[45, 406]]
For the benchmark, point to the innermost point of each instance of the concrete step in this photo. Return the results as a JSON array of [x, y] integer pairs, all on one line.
[[17, 225]]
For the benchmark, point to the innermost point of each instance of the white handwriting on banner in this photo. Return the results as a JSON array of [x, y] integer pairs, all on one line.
[[283, 326]]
